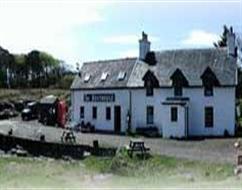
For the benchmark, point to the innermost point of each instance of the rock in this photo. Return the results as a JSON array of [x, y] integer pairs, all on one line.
[[20, 152], [85, 154], [67, 158], [13, 151], [237, 170]]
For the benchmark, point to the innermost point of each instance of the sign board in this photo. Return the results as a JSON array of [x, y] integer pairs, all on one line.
[[99, 97]]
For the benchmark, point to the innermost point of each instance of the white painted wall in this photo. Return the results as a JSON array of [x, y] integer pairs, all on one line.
[[139, 103], [174, 129], [223, 102], [121, 98]]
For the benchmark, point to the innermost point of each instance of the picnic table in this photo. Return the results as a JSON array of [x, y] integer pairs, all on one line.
[[137, 145], [68, 136]]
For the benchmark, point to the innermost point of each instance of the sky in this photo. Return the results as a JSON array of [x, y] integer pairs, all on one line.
[[80, 31]]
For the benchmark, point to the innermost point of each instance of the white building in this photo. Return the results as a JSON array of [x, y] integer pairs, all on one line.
[[187, 92]]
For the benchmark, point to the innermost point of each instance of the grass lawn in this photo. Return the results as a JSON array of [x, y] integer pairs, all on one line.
[[119, 171]]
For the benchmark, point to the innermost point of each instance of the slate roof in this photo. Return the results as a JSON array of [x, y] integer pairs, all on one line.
[[112, 67], [192, 63]]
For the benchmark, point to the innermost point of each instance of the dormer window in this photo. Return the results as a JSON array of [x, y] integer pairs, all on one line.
[[150, 82], [178, 82], [87, 77], [177, 90], [209, 80], [121, 75], [104, 76], [208, 90], [149, 89]]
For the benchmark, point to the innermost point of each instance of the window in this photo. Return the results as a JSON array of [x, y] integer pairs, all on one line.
[[104, 76], [208, 117], [87, 78], [208, 90], [94, 112], [108, 113], [121, 75], [82, 112], [149, 89], [150, 115], [174, 114], [178, 90]]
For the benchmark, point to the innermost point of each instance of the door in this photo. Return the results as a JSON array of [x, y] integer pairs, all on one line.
[[117, 119]]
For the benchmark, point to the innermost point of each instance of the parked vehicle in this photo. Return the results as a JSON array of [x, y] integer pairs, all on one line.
[[30, 111], [7, 110], [61, 113], [19, 105], [53, 111], [5, 114]]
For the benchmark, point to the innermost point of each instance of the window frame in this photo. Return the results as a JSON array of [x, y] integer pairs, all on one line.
[[178, 91], [208, 89], [209, 117], [149, 89], [82, 112], [94, 112], [121, 75], [108, 113], [174, 114], [150, 115]]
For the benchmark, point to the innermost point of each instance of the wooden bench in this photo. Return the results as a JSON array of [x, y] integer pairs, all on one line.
[[68, 137], [137, 145]]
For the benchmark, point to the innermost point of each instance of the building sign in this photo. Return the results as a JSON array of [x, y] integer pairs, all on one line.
[[99, 97]]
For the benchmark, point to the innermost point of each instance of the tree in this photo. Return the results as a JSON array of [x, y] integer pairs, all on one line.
[[6, 64], [21, 70], [223, 41], [36, 67]]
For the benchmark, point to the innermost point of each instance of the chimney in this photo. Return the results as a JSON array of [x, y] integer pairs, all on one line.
[[144, 46], [231, 47]]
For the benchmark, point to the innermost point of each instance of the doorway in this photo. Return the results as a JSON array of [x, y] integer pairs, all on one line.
[[117, 119]]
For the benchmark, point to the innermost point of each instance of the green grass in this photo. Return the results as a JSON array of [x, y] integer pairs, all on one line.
[[120, 171], [123, 165]]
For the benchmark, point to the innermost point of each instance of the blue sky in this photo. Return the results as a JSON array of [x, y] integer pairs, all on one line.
[[78, 31]]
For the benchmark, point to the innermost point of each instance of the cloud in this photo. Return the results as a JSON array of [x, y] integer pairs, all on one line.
[[200, 38], [44, 25], [126, 39]]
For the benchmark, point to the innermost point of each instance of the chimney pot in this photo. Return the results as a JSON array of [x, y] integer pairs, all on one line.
[[144, 46], [231, 47]]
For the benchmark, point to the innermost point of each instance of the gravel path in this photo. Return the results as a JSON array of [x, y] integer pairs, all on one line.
[[212, 150]]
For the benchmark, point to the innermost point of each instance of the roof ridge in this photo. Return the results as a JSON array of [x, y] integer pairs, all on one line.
[[191, 49], [110, 60], [131, 73]]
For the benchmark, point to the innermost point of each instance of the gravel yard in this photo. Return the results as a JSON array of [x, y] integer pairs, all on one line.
[[211, 150]]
